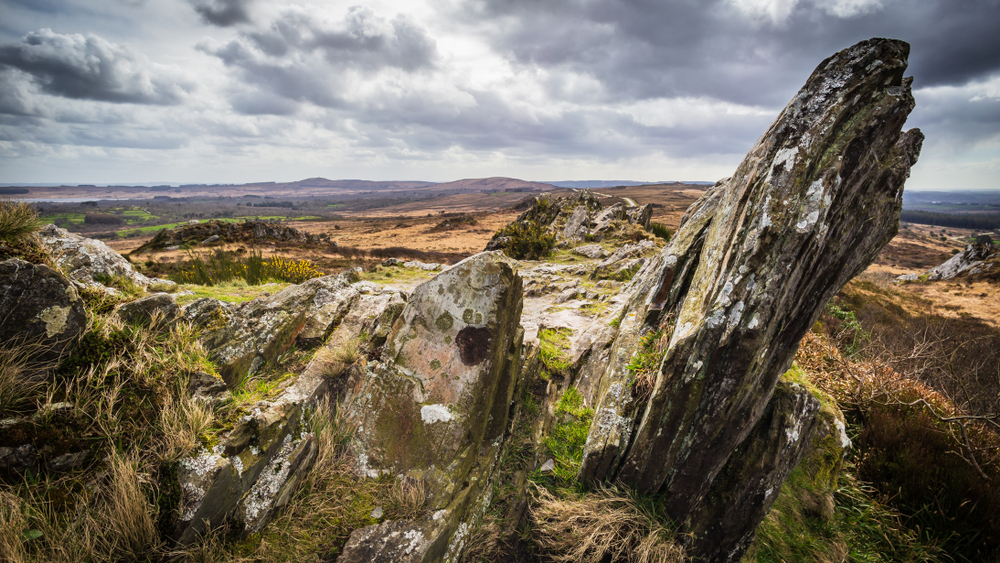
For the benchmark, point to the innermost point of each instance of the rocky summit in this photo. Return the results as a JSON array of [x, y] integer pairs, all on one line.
[[608, 359]]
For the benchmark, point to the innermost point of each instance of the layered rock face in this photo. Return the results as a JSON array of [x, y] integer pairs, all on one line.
[[748, 273]]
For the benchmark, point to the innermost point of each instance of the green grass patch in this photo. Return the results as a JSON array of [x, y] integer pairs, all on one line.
[[554, 350], [569, 434], [236, 291], [63, 218], [396, 275]]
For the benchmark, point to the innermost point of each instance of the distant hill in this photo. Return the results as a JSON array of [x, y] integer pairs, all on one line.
[[590, 184], [352, 185], [496, 183]]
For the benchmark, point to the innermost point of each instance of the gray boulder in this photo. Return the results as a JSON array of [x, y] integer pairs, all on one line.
[[39, 307], [591, 251], [971, 261], [160, 306], [577, 226], [88, 261]]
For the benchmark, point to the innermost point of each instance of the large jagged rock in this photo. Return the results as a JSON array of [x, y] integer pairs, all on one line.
[[213, 231], [435, 406], [251, 473], [90, 262], [749, 272], [38, 307]]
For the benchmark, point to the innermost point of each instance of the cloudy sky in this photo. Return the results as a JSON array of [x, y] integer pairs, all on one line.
[[109, 91]]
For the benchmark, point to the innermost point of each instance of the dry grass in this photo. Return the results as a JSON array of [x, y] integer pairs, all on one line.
[[604, 525], [115, 523], [21, 377], [183, 420]]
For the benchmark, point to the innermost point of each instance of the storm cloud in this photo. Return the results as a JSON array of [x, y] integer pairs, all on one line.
[[83, 67], [223, 13], [434, 89]]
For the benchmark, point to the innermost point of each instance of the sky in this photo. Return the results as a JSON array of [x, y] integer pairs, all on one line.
[[235, 91]]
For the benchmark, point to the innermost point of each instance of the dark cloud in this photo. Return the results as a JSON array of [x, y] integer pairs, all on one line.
[[299, 58], [223, 13], [85, 67], [643, 49]]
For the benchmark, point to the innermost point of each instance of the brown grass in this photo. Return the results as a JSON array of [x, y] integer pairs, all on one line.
[[604, 525], [18, 219], [183, 420], [21, 377]]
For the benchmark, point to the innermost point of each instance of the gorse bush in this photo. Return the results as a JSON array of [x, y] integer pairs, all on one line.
[[222, 266], [527, 240]]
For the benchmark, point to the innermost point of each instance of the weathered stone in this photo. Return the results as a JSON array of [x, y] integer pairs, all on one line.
[[436, 406], [210, 490], [722, 527], [88, 261], [427, 266], [399, 541], [577, 226], [330, 303], [243, 339], [392, 262], [67, 461], [17, 459], [971, 261], [39, 307], [591, 251], [623, 257], [605, 219], [207, 389], [640, 215], [210, 239], [161, 306], [812, 204]]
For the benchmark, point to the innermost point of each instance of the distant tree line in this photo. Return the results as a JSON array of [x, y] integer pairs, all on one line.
[[975, 221], [287, 204]]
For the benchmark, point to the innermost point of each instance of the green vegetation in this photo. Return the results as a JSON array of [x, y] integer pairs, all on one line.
[[527, 240], [223, 266], [18, 220], [976, 221], [236, 291], [554, 350], [660, 230], [569, 434], [63, 219]]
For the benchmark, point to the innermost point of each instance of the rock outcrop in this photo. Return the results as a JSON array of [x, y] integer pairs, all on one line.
[[209, 232], [38, 307], [748, 273], [251, 473], [976, 259], [577, 218], [435, 406], [90, 262]]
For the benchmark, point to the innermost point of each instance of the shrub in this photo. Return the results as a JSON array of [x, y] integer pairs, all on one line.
[[527, 240], [222, 267], [660, 230], [103, 219], [18, 220]]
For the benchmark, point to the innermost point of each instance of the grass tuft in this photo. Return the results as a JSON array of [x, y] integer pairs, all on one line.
[[18, 220], [605, 525]]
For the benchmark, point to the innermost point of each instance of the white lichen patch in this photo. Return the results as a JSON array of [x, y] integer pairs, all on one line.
[[435, 413], [270, 481], [55, 320], [843, 441]]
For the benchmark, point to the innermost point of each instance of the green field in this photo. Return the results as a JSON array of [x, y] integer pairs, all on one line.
[[133, 216], [74, 218]]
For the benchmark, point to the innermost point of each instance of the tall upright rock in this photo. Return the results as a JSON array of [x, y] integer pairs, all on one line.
[[750, 270], [434, 407]]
